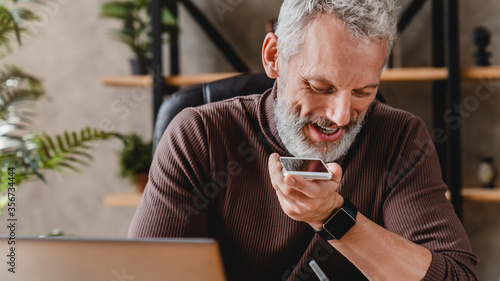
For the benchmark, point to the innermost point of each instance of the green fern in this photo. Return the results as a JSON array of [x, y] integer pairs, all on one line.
[[17, 86], [31, 153], [12, 24], [68, 151], [40, 152]]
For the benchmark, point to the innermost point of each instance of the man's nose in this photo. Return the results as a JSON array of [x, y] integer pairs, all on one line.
[[339, 110]]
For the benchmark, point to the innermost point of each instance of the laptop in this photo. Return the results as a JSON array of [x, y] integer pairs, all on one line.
[[77, 259]]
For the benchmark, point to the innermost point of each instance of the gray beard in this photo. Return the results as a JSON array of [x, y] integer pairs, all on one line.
[[291, 131]]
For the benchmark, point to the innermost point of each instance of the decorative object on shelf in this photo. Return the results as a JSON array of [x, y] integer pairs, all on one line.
[[486, 172], [136, 29], [135, 160], [481, 38]]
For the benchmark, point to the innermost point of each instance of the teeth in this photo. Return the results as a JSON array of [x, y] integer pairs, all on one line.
[[326, 130]]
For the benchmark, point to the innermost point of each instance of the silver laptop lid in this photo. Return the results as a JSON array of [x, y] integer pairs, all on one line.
[[77, 259]]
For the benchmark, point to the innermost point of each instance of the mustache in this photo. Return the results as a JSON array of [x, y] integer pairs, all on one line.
[[325, 122]]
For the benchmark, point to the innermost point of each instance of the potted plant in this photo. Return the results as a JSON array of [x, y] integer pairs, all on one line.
[[26, 153], [136, 28], [135, 160]]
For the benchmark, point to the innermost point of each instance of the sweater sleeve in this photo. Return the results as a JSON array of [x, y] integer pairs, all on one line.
[[173, 203], [417, 209]]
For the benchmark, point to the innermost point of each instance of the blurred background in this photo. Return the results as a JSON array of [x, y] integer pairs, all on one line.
[[70, 51]]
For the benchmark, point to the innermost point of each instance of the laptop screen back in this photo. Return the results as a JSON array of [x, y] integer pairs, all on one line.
[[70, 259]]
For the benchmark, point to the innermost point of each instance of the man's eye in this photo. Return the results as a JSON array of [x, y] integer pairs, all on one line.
[[361, 93], [321, 90]]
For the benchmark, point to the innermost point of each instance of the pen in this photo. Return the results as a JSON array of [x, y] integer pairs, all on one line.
[[315, 267]]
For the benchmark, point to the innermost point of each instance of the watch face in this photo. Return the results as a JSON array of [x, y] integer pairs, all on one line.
[[339, 224]]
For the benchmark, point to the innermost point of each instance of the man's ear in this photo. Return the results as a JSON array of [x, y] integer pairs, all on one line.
[[270, 56]]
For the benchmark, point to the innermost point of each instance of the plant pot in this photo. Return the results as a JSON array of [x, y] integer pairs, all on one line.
[[140, 66], [142, 180]]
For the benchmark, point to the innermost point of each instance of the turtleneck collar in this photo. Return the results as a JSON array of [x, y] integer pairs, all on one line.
[[267, 123]]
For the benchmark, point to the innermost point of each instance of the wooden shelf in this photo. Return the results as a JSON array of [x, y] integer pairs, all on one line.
[[389, 75], [486, 72], [188, 80], [478, 194], [438, 73], [128, 81], [129, 198], [174, 80], [414, 74]]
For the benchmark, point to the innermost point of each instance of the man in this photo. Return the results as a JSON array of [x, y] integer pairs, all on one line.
[[217, 173]]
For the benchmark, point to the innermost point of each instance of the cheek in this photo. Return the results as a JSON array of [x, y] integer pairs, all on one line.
[[298, 100], [307, 104], [359, 107]]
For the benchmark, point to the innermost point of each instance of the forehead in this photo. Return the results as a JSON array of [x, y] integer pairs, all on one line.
[[331, 52]]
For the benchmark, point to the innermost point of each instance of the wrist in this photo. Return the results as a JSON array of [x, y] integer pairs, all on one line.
[[340, 222], [318, 225]]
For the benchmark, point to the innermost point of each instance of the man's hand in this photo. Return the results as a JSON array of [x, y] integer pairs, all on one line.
[[311, 201]]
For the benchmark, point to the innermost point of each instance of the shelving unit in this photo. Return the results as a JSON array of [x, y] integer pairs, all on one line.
[[445, 77], [416, 74]]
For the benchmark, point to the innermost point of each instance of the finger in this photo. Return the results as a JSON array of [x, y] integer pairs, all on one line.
[[290, 189], [287, 204], [285, 184], [299, 210], [310, 189], [336, 170], [275, 170]]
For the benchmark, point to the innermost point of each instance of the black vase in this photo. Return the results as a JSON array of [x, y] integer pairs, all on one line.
[[140, 66]]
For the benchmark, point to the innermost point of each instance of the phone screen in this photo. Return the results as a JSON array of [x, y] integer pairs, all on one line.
[[303, 165]]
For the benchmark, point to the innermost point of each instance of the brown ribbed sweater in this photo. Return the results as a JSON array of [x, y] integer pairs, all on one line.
[[210, 178]]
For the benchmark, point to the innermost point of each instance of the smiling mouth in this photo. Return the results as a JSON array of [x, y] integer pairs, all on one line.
[[325, 130]]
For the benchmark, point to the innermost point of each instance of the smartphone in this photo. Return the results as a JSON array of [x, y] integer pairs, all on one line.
[[309, 168]]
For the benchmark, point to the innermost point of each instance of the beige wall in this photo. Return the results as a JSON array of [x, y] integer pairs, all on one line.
[[70, 52]]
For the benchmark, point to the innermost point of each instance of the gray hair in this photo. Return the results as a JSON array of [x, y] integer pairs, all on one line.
[[365, 19]]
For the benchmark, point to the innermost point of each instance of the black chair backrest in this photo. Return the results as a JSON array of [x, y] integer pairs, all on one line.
[[241, 85]]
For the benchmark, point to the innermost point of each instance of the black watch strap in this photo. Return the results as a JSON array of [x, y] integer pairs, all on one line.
[[323, 233], [340, 222]]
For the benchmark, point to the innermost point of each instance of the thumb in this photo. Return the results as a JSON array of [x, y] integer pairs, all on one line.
[[336, 170]]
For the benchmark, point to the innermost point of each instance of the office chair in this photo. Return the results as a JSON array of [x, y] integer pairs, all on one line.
[[241, 85]]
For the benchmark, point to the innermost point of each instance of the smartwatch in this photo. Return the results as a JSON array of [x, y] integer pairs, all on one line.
[[340, 222]]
